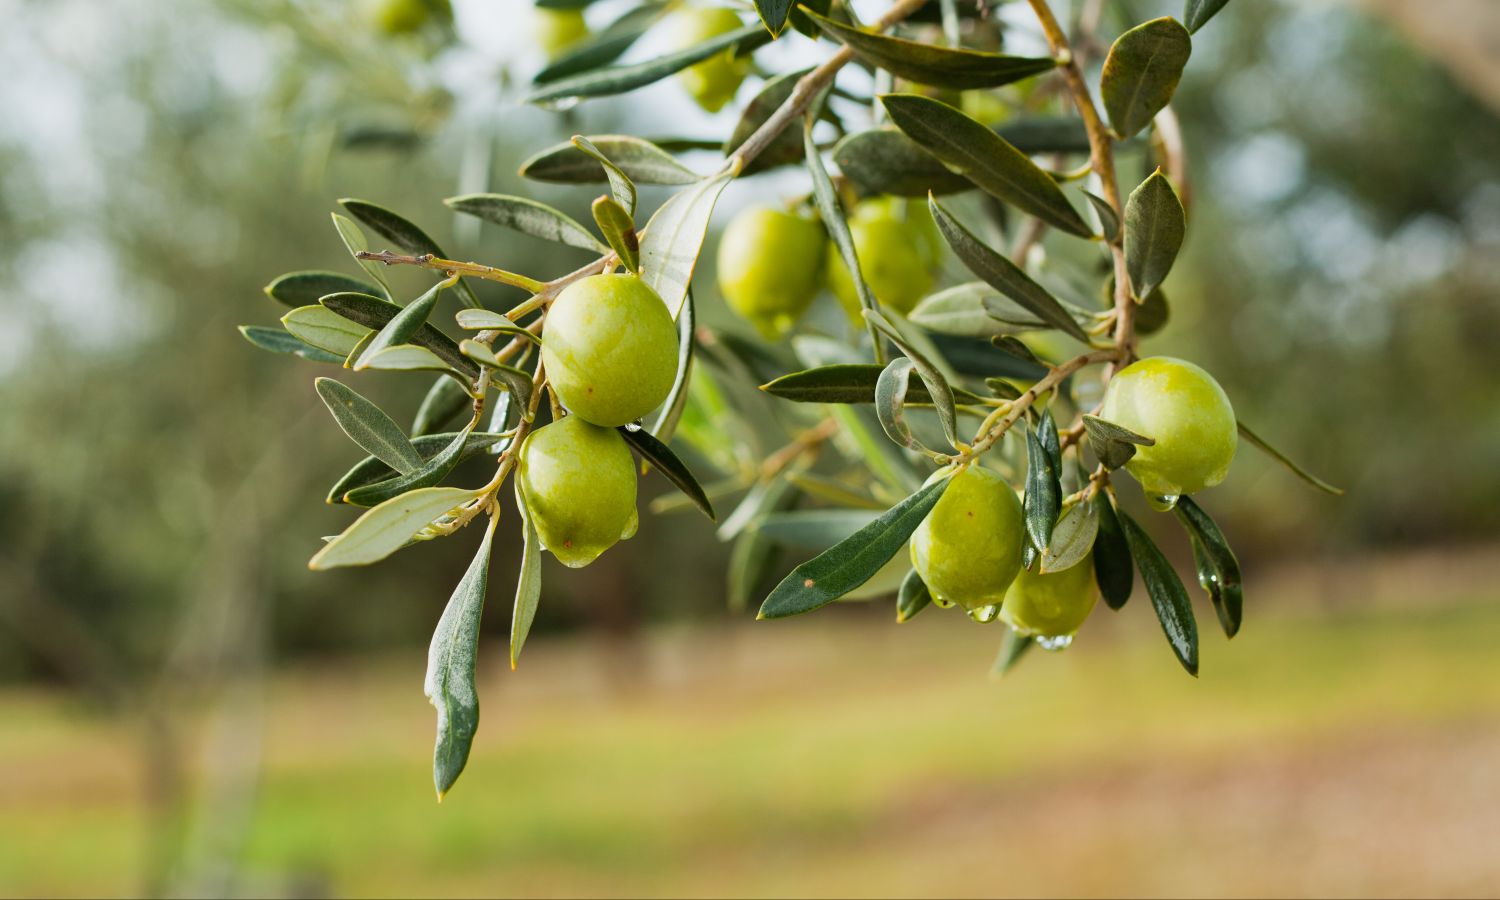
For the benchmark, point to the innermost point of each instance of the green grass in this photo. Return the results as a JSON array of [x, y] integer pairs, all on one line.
[[830, 754]]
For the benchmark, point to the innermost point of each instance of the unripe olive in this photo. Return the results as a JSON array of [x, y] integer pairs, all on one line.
[[896, 250], [1051, 605], [771, 267], [610, 349], [968, 549], [1185, 411], [579, 483], [557, 30], [405, 16], [713, 82]]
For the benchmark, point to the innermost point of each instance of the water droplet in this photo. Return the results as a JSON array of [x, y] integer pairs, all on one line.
[[631, 526], [941, 601], [1055, 643], [984, 614], [1163, 502], [561, 104]]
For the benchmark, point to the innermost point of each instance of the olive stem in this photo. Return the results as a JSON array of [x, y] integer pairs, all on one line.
[[1000, 421], [452, 267]]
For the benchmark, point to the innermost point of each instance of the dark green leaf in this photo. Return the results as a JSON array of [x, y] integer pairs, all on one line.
[[674, 237], [603, 47], [1141, 73], [1113, 570], [1012, 648], [1003, 389], [620, 79], [642, 161], [1109, 220], [373, 312], [1113, 444], [1218, 570], [773, 14], [403, 234], [1155, 225], [1046, 432], [787, 147], [850, 563], [1168, 596], [390, 526], [371, 470], [985, 158], [620, 184], [937, 385], [429, 474], [280, 342], [1015, 347], [1072, 539], [450, 669], [528, 584], [1295, 469], [1198, 12], [943, 67], [402, 326], [671, 408], [368, 426], [847, 383], [661, 457], [1043, 500], [444, 400], [618, 228], [528, 217], [1004, 275], [307, 288], [831, 211], [912, 598], [1152, 314], [885, 161]]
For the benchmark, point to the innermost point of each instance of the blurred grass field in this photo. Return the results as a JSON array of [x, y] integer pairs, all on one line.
[[1345, 743]]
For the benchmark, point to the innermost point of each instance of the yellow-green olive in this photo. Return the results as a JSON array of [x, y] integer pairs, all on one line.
[[1051, 605], [559, 29], [579, 483], [713, 82], [968, 549], [1185, 411], [771, 267]]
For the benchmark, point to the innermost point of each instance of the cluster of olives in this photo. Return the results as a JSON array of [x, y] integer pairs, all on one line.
[[773, 263], [968, 549], [610, 355]]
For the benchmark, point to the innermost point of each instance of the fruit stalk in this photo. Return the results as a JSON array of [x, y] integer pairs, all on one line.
[[998, 422]]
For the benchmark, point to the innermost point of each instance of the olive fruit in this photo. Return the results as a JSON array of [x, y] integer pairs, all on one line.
[[557, 30], [405, 16], [771, 267], [968, 549], [898, 245], [610, 349], [1185, 411], [713, 82], [1051, 605], [579, 484]]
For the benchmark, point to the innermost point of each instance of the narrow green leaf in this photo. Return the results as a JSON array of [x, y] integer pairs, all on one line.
[[942, 67], [403, 326], [1017, 348], [371, 470], [449, 683], [812, 529], [327, 331], [831, 211], [1155, 225], [620, 184], [937, 386], [885, 161], [1046, 432], [410, 358], [1012, 648], [528, 217], [1043, 499], [641, 160], [528, 584], [1153, 313], [1072, 538], [912, 598], [847, 383], [773, 14], [604, 46], [850, 563], [1141, 73], [674, 237], [373, 312], [751, 558], [979, 154], [619, 230], [368, 426], [444, 400], [1168, 596], [973, 309], [516, 380], [1004, 275], [280, 342], [890, 402], [1295, 469], [1218, 570], [306, 288], [1198, 12], [621, 79], [404, 234], [355, 241], [1113, 570], [390, 526], [1113, 444], [430, 474], [1109, 220], [661, 457], [787, 147], [671, 409]]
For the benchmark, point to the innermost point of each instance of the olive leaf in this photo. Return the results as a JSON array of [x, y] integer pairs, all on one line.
[[368, 426], [620, 184], [851, 562], [528, 217], [1113, 444], [604, 46], [449, 683], [1155, 225], [406, 358], [1198, 12], [673, 239], [402, 326], [1168, 596], [1072, 537], [751, 558], [1012, 648], [356, 243], [831, 211], [371, 470], [773, 14], [1153, 312], [1109, 220], [1004, 275], [848, 383], [786, 148], [429, 474], [973, 309], [528, 584], [1218, 570], [937, 386], [404, 234], [325, 330], [390, 526], [516, 380], [661, 457], [443, 401], [1295, 469], [885, 161], [373, 312], [642, 161], [952, 68], [811, 529], [621, 79], [671, 408], [979, 154], [890, 402], [1113, 570], [1141, 73], [306, 288], [1043, 499], [912, 598], [619, 230], [281, 342]]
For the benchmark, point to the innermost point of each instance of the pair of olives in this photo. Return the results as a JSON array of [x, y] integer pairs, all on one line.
[[968, 549], [773, 263], [609, 350]]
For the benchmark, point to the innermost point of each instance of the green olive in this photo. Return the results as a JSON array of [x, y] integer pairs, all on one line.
[[610, 349], [557, 30], [968, 549], [713, 82], [1185, 411], [406, 16], [579, 483], [771, 267], [896, 252], [1051, 605]]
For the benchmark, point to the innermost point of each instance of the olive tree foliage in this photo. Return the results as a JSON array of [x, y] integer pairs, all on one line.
[[839, 442]]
